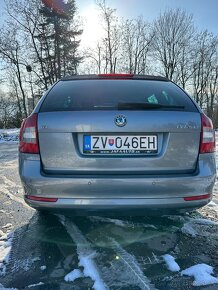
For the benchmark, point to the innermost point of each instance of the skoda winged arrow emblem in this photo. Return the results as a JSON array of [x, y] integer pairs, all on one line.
[[120, 120]]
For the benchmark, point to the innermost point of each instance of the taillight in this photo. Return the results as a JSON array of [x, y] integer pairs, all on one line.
[[38, 198], [198, 197], [207, 135], [29, 135], [116, 76]]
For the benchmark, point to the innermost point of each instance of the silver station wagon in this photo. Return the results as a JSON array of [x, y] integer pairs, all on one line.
[[114, 144]]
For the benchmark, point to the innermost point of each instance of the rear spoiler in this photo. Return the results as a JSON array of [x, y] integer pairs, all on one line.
[[114, 76]]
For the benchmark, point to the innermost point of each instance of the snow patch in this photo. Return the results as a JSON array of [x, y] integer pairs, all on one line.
[[202, 274], [90, 270], [1, 233], [109, 220], [120, 223], [171, 263], [5, 249], [3, 288], [189, 230], [202, 221], [73, 275], [176, 218], [43, 268], [194, 227], [36, 259], [7, 226], [25, 264], [9, 135], [212, 204], [34, 285], [85, 253]]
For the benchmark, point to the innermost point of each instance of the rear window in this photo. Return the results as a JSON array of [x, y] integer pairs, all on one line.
[[93, 95]]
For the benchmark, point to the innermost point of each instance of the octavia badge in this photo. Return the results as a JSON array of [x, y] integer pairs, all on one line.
[[120, 120]]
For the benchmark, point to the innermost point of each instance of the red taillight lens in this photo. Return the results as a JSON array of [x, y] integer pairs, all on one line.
[[29, 135], [198, 197], [116, 76], [207, 135], [38, 198]]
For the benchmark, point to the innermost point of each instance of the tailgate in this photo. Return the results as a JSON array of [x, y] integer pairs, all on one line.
[[62, 137]]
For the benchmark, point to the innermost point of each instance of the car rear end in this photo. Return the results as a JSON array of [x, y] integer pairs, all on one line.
[[114, 143]]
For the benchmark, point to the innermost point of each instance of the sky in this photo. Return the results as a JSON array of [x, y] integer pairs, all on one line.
[[205, 12]]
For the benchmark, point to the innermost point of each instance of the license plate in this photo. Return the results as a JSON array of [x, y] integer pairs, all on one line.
[[95, 144]]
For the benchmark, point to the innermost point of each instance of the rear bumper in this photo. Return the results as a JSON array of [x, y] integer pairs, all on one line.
[[117, 206], [91, 194]]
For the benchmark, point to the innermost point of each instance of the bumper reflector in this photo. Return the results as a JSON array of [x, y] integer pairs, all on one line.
[[37, 198], [198, 197]]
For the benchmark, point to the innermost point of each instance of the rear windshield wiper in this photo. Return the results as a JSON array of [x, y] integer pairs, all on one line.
[[146, 106]]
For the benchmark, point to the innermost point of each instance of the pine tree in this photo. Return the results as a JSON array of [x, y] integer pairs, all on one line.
[[58, 38]]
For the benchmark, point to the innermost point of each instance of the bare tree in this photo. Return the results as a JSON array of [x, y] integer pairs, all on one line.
[[8, 109], [14, 91], [95, 58], [173, 30], [111, 40], [11, 51], [184, 71], [205, 64], [212, 93], [27, 17], [137, 38]]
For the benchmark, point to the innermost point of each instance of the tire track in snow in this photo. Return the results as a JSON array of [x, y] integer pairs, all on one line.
[[132, 265], [86, 254], [128, 261]]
